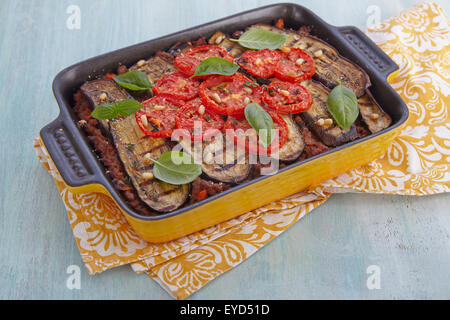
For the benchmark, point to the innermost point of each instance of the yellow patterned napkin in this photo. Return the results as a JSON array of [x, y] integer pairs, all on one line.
[[417, 163]]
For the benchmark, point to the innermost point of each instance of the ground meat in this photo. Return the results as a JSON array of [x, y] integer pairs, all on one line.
[[212, 188], [313, 146], [237, 34], [165, 55], [305, 30]]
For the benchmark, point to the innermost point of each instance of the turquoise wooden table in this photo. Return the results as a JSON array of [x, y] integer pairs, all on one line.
[[328, 254]]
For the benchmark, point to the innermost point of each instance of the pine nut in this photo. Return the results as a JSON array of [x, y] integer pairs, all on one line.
[[140, 63], [147, 176], [320, 122], [318, 54], [103, 96], [328, 122], [144, 120], [374, 116], [158, 107], [300, 61], [248, 90], [216, 97], [201, 109], [285, 93], [285, 49]]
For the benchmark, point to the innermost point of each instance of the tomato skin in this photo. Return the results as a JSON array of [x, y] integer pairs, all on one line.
[[189, 113], [288, 69], [177, 85], [260, 63], [234, 124], [232, 96], [165, 117], [188, 61], [298, 100]]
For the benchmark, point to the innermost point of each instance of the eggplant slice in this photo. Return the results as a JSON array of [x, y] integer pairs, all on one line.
[[233, 168], [94, 89], [132, 145], [155, 68], [333, 135], [372, 114], [295, 142], [330, 66]]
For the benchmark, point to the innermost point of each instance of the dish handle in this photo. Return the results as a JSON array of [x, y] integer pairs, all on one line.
[[381, 62], [68, 154]]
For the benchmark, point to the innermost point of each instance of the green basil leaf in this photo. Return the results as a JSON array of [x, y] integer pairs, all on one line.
[[258, 39], [176, 167], [259, 119], [134, 80], [105, 111], [128, 107], [343, 106], [215, 65]]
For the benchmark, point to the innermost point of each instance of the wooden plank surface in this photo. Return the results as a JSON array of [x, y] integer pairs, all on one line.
[[326, 255]]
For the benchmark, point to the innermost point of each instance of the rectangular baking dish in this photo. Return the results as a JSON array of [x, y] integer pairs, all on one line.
[[83, 171]]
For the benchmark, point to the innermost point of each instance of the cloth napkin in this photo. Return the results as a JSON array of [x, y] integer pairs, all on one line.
[[417, 163]]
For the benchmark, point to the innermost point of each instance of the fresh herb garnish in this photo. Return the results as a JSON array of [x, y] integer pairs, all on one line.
[[258, 39], [261, 121], [343, 106], [133, 80], [250, 84], [215, 65], [125, 108], [176, 167]]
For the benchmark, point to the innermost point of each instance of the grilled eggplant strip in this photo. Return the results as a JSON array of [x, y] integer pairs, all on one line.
[[103, 91], [295, 142], [372, 114], [220, 39], [132, 145], [332, 135], [155, 68], [233, 169], [330, 66]]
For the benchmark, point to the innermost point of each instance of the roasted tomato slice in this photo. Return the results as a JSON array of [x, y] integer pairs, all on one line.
[[157, 118], [229, 94], [249, 140], [295, 66], [178, 85], [261, 63], [286, 97], [188, 61], [193, 111]]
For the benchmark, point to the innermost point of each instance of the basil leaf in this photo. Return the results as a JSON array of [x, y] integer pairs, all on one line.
[[259, 119], [343, 106], [258, 39], [105, 111], [176, 167], [134, 80], [127, 107], [215, 65]]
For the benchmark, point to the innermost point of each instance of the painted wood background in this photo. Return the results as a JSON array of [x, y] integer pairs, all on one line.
[[325, 255]]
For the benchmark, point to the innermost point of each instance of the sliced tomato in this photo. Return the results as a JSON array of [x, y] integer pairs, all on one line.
[[195, 111], [260, 63], [229, 94], [159, 113], [178, 85], [188, 61], [286, 97], [249, 140], [295, 66]]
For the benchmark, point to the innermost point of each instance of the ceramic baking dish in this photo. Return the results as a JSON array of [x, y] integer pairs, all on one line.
[[83, 171]]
